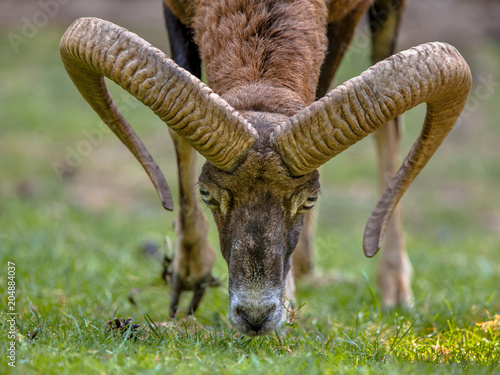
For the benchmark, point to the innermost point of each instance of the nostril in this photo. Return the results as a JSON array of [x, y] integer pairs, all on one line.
[[255, 317], [253, 327], [240, 311]]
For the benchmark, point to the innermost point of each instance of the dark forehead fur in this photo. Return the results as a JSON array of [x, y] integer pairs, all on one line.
[[263, 167]]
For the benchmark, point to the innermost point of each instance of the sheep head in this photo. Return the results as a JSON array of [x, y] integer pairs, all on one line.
[[261, 172], [259, 211]]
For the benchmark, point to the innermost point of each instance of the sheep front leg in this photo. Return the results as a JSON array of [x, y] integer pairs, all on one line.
[[343, 18], [194, 257], [394, 271]]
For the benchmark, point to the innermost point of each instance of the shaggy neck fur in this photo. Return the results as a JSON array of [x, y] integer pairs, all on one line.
[[262, 55]]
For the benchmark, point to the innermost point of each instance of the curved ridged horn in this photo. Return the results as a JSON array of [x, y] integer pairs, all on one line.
[[434, 73], [92, 49]]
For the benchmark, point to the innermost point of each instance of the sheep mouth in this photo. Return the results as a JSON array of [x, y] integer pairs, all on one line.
[[256, 316]]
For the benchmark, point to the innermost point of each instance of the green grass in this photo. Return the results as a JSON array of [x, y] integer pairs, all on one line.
[[75, 242]]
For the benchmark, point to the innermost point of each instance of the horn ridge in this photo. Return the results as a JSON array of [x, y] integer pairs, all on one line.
[[93, 48], [434, 73]]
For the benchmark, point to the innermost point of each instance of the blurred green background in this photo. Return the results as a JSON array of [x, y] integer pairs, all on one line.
[[75, 206]]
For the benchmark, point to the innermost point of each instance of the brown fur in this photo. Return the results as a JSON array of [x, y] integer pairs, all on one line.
[[248, 45]]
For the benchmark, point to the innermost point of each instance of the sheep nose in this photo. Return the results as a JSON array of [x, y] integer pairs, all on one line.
[[255, 317]]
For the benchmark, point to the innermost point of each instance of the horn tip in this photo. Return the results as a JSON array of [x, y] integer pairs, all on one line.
[[167, 204], [370, 251], [372, 242]]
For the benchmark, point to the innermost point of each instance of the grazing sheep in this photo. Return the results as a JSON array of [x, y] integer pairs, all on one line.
[[261, 131]]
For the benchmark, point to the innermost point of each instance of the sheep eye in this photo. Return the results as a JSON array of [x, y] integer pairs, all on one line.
[[309, 203], [206, 196]]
